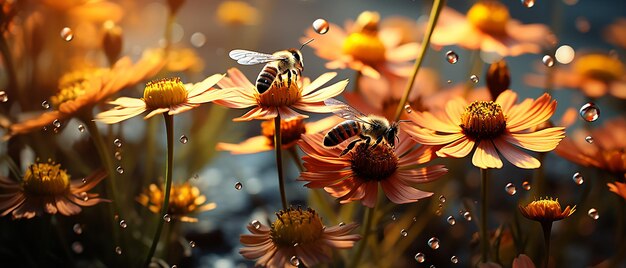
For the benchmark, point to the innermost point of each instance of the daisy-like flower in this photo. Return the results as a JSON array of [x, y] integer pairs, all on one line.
[[236, 13], [594, 74], [290, 134], [616, 33], [79, 91], [185, 200], [46, 188], [363, 47], [605, 149], [546, 210], [488, 27], [280, 98], [169, 96], [296, 237], [356, 175], [491, 127], [618, 188]]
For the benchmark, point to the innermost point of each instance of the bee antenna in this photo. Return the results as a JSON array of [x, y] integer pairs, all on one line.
[[403, 121], [307, 42]]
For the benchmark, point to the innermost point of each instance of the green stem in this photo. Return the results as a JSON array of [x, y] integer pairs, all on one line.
[[434, 16], [279, 160], [547, 228], [369, 218], [484, 232], [105, 157], [169, 129], [8, 63]]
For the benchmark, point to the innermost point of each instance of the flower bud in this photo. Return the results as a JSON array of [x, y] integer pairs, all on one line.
[[498, 78], [112, 41]]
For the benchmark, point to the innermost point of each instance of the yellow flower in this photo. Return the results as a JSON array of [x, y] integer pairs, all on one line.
[[546, 210], [185, 199], [237, 13]]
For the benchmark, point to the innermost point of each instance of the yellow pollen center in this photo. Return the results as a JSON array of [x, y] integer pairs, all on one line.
[[74, 84], [296, 227], [46, 179], [164, 93], [489, 16], [374, 164], [280, 94], [290, 131], [483, 120], [364, 44], [598, 66], [546, 210]]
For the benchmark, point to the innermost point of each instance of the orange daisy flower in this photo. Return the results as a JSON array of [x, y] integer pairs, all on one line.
[[616, 33], [363, 47], [280, 98], [488, 27], [47, 188], [618, 188], [605, 148], [356, 175], [546, 210], [80, 91], [165, 96], [290, 134], [185, 199], [296, 237], [593, 74], [492, 127], [236, 13]]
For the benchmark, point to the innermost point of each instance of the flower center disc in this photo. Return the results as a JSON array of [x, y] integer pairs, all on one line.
[[375, 163], [290, 130], [164, 93], [280, 94], [364, 44], [599, 67], [46, 179], [483, 120], [489, 16], [296, 227], [73, 85]]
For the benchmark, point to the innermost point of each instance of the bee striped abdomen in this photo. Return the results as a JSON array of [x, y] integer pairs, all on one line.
[[266, 78], [342, 132]]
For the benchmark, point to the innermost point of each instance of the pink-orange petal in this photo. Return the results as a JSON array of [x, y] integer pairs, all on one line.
[[457, 149], [486, 156], [515, 156], [318, 82]]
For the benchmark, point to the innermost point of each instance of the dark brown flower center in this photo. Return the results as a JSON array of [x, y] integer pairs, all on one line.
[[296, 227], [483, 120], [374, 163], [290, 130]]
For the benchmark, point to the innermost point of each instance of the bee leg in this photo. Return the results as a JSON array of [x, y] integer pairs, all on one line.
[[367, 140], [378, 140], [288, 79], [350, 146]]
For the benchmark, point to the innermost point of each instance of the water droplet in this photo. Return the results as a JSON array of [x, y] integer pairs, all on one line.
[[123, 224], [321, 26], [118, 250], [120, 170], [118, 156], [414, 219], [548, 60], [192, 244], [77, 247], [474, 78], [84, 196], [593, 213], [342, 224], [454, 259], [256, 224], [419, 257], [197, 39], [510, 189], [433, 243], [578, 178], [408, 108], [449, 81], [452, 57], [167, 218], [294, 261], [3, 96], [84, 180], [442, 199], [77, 228], [404, 232], [56, 123], [451, 220], [81, 128], [528, 3], [183, 139], [45, 104], [67, 34], [117, 143], [589, 112], [467, 216], [174, 266], [565, 54], [238, 185], [393, 217], [438, 212], [589, 139], [526, 185]]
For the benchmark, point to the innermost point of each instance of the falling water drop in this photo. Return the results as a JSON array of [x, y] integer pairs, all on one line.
[[45, 104], [510, 189], [56, 123], [118, 250], [467, 216], [192, 244], [528, 3], [294, 261], [120, 170], [77, 247], [590, 112], [526, 185], [408, 108], [452, 57], [474, 78], [404, 233], [578, 178], [393, 217], [548, 60], [451, 220], [321, 26], [565, 54], [442, 199], [84, 196], [454, 259], [77, 228], [433, 243], [449, 81], [342, 224], [256, 224], [589, 139], [419, 257], [67, 34], [593, 213], [117, 143], [3, 96], [84, 180], [118, 156], [197, 39], [167, 218], [123, 224], [238, 185], [81, 128], [183, 139]]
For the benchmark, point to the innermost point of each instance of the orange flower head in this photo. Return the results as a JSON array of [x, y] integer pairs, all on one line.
[[185, 199], [546, 210], [489, 16], [74, 84], [237, 13], [46, 179], [296, 226], [373, 164], [164, 93], [290, 130], [483, 120], [364, 44], [600, 67]]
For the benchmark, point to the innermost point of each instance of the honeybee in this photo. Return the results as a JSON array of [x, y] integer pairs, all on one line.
[[367, 127], [279, 63]]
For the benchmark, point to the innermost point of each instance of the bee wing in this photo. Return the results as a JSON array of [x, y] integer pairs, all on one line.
[[346, 111], [247, 57]]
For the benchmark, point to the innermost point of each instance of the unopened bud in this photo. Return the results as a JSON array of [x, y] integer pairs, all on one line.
[[498, 78], [368, 21], [175, 5], [112, 41]]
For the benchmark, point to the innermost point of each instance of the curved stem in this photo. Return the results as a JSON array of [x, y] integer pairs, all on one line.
[[434, 16], [547, 228], [484, 232], [279, 160], [169, 129], [105, 157], [369, 218]]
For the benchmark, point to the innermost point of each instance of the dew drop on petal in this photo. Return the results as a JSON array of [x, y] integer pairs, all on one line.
[[81, 128], [578, 178], [404, 233], [84, 180], [118, 250], [120, 170], [256, 224], [321, 26], [342, 224], [197, 39], [452, 57], [526, 185], [56, 123], [45, 104], [474, 78], [419, 257], [3, 96], [238, 186], [192, 244], [433, 243], [454, 259], [593, 213], [408, 108], [84, 196], [451, 220], [589, 139], [547, 60], [528, 3], [123, 224], [510, 189], [117, 143], [67, 34], [294, 261], [183, 139], [589, 112], [442, 199], [167, 218], [467, 216], [77, 247], [77, 228]]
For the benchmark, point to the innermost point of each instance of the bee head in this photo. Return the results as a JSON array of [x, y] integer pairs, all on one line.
[[296, 57], [392, 134]]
